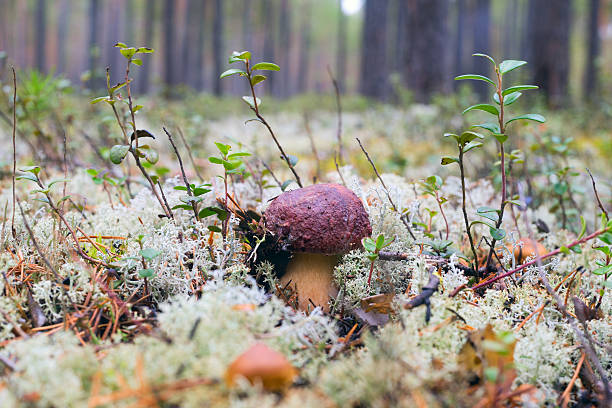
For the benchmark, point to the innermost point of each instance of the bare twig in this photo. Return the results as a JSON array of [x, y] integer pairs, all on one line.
[[193, 163], [313, 147], [402, 217], [272, 174], [599, 203], [339, 106], [14, 149], [255, 109], [423, 297], [583, 337], [185, 180], [338, 169]]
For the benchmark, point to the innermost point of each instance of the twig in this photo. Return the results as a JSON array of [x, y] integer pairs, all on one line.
[[255, 109], [272, 174], [563, 399], [313, 147], [185, 180], [599, 203], [339, 106], [193, 163], [14, 232], [402, 217], [423, 297], [583, 337], [338, 169]]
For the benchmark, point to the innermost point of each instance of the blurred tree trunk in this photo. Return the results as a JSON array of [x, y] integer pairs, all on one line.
[[199, 49], [341, 50], [549, 33], [511, 25], [40, 48], [169, 62], [247, 10], [113, 57], [460, 27], [62, 33], [592, 58], [401, 37], [284, 31], [145, 70], [218, 56], [267, 11], [129, 24], [93, 48], [304, 59], [427, 65], [482, 33], [188, 42], [373, 78]]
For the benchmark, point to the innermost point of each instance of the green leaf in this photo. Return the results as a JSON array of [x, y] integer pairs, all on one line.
[[145, 50], [582, 227], [151, 155], [137, 61], [31, 169], [508, 99], [501, 138], [239, 56], [182, 206], [118, 153], [231, 72], [120, 45], [265, 66], [57, 181], [206, 212], [483, 107], [149, 253], [257, 79], [604, 270], [484, 56], [528, 116], [214, 228], [448, 160], [99, 99], [565, 250], [286, 184], [509, 65], [476, 78], [215, 160], [223, 148], [380, 240], [468, 136], [472, 145], [128, 52], [249, 101], [497, 233], [231, 165], [453, 135], [27, 176], [292, 159], [491, 127], [518, 88], [146, 273], [238, 154]]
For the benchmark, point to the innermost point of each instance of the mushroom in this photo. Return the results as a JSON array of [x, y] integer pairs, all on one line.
[[527, 250], [316, 224], [261, 364]]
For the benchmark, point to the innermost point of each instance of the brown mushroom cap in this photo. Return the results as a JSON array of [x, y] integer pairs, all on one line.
[[262, 364], [527, 250], [322, 218]]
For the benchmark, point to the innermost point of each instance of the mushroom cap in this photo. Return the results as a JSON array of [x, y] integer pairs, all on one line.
[[323, 218], [528, 249], [262, 364]]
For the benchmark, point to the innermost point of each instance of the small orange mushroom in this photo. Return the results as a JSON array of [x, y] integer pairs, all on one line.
[[527, 250], [261, 364]]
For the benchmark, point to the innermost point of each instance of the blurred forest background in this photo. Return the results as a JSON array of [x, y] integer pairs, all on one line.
[[377, 48]]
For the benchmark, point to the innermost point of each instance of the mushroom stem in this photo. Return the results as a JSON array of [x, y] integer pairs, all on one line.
[[311, 277]]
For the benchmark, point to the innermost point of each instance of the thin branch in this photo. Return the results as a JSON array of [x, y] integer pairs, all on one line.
[[193, 163], [402, 217], [423, 297], [339, 107], [185, 180], [14, 149], [313, 147], [338, 169], [599, 203]]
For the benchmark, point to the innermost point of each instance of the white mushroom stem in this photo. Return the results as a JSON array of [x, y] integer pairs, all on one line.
[[311, 276]]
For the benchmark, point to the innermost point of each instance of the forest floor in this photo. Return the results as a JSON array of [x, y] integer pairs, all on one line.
[[104, 301]]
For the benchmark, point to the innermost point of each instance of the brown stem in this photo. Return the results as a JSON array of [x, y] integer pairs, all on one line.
[[14, 149], [463, 207], [185, 180], [339, 106], [255, 109]]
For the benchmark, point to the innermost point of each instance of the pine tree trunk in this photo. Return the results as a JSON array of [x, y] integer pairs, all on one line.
[[305, 33], [459, 49], [590, 85], [40, 48], [549, 32], [169, 62], [267, 11], [427, 66], [482, 32], [145, 70], [341, 49], [62, 34], [218, 47], [93, 47], [373, 78], [284, 31], [199, 49]]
